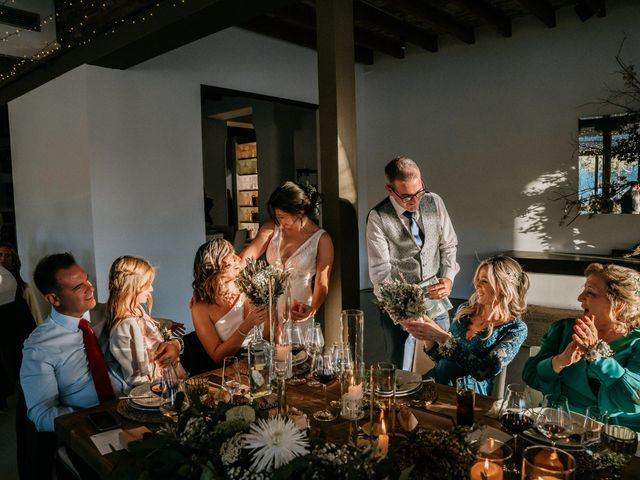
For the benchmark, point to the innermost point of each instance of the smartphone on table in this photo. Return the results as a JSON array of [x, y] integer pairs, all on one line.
[[103, 421]]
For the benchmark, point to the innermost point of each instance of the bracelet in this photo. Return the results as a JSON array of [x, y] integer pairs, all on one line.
[[243, 335], [448, 347], [181, 342], [600, 350]]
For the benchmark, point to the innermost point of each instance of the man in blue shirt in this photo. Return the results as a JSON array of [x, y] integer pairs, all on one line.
[[55, 373]]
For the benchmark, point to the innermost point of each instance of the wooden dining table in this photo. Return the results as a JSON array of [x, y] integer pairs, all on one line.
[[74, 430]]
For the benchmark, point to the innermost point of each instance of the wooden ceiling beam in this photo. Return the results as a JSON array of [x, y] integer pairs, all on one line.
[[487, 12], [541, 9], [437, 18], [303, 15], [297, 35], [418, 36]]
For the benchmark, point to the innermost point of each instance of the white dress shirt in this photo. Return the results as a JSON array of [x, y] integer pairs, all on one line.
[[55, 375], [378, 249]]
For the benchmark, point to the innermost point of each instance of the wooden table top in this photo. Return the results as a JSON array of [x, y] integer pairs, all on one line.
[[74, 429]]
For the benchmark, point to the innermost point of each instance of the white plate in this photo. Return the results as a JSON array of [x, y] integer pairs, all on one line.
[[153, 402]]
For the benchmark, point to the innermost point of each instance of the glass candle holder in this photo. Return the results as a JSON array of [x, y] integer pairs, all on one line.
[[382, 396], [492, 459], [547, 463]]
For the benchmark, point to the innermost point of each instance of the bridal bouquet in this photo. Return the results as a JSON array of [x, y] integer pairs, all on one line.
[[402, 301], [254, 281]]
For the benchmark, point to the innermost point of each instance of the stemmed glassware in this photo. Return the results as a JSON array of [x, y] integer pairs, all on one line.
[[515, 416], [314, 343], [342, 363], [323, 372], [554, 419], [594, 421], [296, 341]]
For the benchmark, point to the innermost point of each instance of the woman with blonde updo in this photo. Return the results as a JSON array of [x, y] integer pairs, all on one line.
[[487, 331], [595, 360], [222, 315], [136, 340]]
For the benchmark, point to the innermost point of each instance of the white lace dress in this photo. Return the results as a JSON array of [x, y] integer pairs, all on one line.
[[303, 268]]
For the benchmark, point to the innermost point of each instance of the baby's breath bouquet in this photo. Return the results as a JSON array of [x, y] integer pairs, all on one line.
[[253, 281], [402, 301]]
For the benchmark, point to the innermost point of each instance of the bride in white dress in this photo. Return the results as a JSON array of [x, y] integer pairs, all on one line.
[[293, 239]]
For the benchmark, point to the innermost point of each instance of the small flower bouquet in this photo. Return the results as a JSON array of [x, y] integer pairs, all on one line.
[[254, 280], [402, 301]]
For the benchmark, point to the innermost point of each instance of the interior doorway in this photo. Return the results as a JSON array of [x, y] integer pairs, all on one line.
[[251, 144]]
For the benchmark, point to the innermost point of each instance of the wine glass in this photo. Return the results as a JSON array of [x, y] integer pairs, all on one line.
[[554, 419], [515, 416], [594, 421], [314, 345], [231, 376], [342, 363], [296, 340], [323, 372], [174, 400]]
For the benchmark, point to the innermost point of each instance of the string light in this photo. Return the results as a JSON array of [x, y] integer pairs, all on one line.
[[54, 47]]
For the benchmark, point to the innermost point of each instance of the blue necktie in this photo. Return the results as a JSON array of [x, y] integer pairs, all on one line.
[[418, 236]]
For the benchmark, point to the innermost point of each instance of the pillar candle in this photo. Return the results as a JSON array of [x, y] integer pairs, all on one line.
[[491, 471]]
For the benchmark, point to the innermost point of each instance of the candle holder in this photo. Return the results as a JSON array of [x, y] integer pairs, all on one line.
[[547, 463], [352, 378], [382, 391], [492, 452]]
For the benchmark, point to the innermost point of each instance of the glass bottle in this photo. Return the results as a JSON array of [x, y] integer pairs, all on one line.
[[259, 362]]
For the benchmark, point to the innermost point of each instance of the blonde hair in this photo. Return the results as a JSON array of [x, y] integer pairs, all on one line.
[[510, 285], [623, 287], [128, 277], [207, 285]]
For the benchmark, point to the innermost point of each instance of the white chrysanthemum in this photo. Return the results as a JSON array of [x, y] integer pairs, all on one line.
[[275, 442]]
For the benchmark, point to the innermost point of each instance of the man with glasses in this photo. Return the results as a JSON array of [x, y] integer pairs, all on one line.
[[410, 236]]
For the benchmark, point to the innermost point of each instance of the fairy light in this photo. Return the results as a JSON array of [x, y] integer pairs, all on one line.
[[54, 47]]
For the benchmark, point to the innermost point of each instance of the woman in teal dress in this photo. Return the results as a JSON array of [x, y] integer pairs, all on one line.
[[487, 331], [595, 360]]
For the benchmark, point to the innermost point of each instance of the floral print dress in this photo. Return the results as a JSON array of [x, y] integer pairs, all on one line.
[[480, 357]]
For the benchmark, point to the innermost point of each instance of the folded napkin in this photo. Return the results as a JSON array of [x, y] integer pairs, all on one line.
[[485, 432], [107, 442]]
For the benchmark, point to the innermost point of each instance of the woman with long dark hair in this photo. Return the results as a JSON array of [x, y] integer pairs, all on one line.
[[294, 240]]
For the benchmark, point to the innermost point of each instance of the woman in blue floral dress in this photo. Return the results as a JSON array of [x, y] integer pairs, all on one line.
[[487, 331]]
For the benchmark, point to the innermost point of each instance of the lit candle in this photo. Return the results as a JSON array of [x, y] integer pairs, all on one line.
[[486, 471], [383, 441], [282, 352], [354, 392]]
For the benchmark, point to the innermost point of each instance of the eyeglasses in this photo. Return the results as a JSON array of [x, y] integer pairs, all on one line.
[[409, 197]]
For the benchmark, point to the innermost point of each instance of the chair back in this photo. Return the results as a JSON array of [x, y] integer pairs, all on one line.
[[535, 396]]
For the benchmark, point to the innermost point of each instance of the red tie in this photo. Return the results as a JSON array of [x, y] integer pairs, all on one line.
[[97, 365]]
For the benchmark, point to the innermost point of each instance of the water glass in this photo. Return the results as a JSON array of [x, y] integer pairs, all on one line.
[[465, 400], [314, 344], [383, 394], [231, 376], [547, 463], [594, 421]]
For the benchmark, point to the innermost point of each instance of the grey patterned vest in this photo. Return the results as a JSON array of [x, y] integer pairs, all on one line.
[[406, 258]]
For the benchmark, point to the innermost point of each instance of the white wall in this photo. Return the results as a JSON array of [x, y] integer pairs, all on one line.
[[490, 123], [51, 174], [109, 162]]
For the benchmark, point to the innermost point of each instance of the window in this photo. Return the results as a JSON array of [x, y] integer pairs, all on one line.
[[608, 154]]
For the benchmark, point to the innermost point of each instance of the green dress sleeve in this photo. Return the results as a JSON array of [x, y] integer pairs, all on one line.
[[538, 372], [619, 377]]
